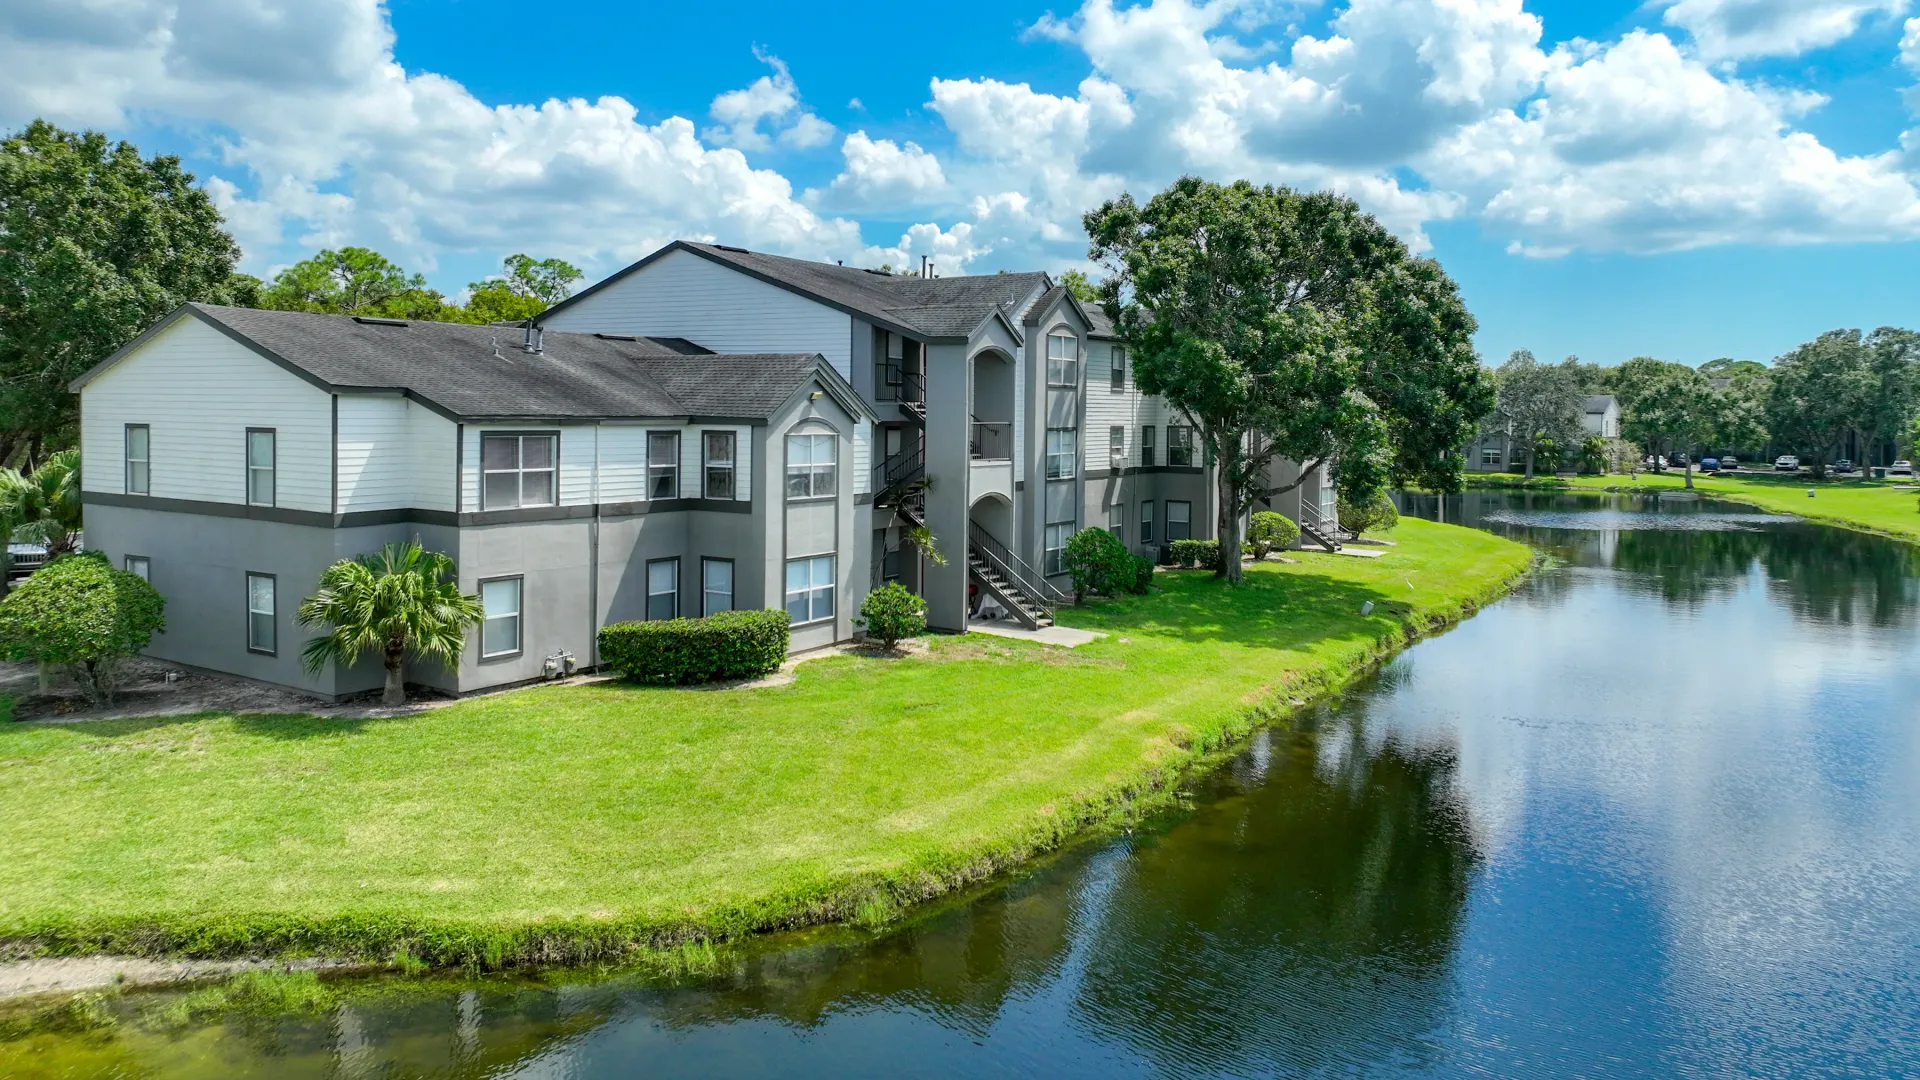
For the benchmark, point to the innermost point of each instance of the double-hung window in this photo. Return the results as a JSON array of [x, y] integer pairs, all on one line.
[[1179, 521], [1061, 453], [1119, 367], [139, 459], [500, 617], [1146, 447], [716, 585], [518, 470], [718, 482], [810, 465], [260, 466], [1117, 521], [1063, 360], [140, 566], [663, 589], [262, 632], [1117, 446], [1056, 549], [1146, 521], [1490, 455], [663, 465], [1179, 444], [810, 589]]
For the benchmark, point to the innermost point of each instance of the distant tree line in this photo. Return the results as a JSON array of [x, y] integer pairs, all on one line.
[[1844, 393], [97, 243]]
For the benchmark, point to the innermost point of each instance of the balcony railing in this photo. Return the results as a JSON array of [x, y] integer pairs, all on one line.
[[992, 441]]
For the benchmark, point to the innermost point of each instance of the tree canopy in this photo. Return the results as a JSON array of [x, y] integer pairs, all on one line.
[[524, 288], [1290, 325], [360, 281], [96, 244], [1537, 404]]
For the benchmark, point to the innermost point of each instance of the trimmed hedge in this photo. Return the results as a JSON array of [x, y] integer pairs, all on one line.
[[1142, 576], [1099, 562], [677, 652], [1204, 554], [1271, 531]]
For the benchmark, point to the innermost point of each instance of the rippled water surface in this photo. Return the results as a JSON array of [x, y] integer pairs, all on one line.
[[1657, 814]]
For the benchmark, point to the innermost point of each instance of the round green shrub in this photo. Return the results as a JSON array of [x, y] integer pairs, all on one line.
[[892, 612], [677, 652], [81, 613], [1098, 561], [1376, 514], [1270, 531], [1142, 578]]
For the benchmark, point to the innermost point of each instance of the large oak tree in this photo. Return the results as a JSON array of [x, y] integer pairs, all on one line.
[[1291, 325]]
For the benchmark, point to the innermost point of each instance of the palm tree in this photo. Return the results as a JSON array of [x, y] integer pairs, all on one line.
[[41, 507], [403, 600]]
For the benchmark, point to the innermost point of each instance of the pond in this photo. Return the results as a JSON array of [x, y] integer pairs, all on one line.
[[1657, 814]]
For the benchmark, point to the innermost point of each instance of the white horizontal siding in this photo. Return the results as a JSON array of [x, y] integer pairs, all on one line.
[[623, 463], [685, 295], [862, 457], [619, 453], [394, 454], [199, 391]]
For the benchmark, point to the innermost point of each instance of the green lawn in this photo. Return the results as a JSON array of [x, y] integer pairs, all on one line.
[[1872, 505], [568, 822]]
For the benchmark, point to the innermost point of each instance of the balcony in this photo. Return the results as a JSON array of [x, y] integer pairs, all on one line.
[[991, 441]]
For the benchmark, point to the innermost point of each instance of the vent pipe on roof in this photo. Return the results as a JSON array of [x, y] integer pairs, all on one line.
[[534, 344], [923, 267]]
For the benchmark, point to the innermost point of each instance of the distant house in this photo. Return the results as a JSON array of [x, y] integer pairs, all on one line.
[[709, 428], [1601, 416], [1493, 451]]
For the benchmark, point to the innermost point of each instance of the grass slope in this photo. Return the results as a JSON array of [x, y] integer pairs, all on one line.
[[572, 823], [1868, 505]]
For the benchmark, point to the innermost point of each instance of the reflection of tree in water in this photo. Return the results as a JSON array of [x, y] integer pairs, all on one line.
[[1303, 922], [1688, 567], [1835, 576]]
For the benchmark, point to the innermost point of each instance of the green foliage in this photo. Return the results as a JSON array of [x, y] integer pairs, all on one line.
[[1670, 407], [1100, 564], [96, 244], [1818, 392], [1375, 514], [1270, 530], [1204, 554], [44, 506], [892, 612], [355, 281], [524, 288], [1081, 286], [403, 600], [1290, 325], [679, 652], [82, 614], [1142, 579], [1537, 407]]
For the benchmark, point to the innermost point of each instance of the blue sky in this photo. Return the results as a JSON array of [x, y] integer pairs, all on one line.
[[1680, 178]]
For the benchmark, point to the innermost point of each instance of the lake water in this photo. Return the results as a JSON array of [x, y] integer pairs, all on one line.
[[1655, 815]]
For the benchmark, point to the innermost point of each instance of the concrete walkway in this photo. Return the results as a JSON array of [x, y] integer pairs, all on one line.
[[1064, 636]]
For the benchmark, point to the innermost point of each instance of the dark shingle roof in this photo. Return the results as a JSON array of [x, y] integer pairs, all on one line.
[[483, 372], [1599, 402], [931, 307]]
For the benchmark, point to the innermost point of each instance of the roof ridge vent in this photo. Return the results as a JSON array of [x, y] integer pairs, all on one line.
[[368, 320], [730, 247], [616, 337]]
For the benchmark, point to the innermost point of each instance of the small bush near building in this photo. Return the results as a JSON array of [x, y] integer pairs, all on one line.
[[1374, 515], [1204, 554], [80, 613], [1099, 562], [677, 652], [1269, 531], [1142, 578], [892, 612]]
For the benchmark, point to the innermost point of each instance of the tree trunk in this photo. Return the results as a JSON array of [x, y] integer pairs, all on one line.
[[1689, 472], [1230, 541], [395, 693], [1529, 463]]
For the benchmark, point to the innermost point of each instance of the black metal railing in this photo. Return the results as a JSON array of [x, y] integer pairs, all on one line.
[[997, 556], [992, 441], [897, 476]]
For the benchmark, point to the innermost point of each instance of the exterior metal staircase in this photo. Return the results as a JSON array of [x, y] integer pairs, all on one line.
[[1016, 585], [1315, 527]]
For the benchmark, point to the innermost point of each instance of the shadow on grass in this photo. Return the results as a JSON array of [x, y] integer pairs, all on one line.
[[285, 726], [1267, 610]]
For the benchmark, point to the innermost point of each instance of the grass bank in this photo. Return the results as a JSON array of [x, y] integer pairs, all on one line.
[[1876, 506], [568, 824]]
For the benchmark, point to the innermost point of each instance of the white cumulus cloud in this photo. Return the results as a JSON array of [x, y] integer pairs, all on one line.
[[882, 173], [1736, 29]]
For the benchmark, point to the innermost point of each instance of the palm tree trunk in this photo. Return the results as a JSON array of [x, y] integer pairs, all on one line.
[[395, 693]]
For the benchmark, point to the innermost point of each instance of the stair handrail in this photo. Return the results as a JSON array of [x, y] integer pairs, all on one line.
[[897, 472], [1010, 566], [1311, 518]]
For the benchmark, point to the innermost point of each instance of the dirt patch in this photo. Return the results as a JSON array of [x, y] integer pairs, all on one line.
[[67, 975]]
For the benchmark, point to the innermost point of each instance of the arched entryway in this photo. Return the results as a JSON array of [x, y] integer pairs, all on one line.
[[991, 436]]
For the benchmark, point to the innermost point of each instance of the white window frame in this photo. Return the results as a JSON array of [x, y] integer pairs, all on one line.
[[1063, 453], [1146, 446], [271, 611], [810, 590], [519, 470], [1117, 368], [817, 478], [140, 566], [1063, 360], [1184, 443], [1056, 538], [708, 592], [1492, 455], [1117, 520], [267, 474], [1117, 446], [672, 594], [1185, 519], [516, 618], [663, 469], [140, 466], [1146, 521], [711, 465]]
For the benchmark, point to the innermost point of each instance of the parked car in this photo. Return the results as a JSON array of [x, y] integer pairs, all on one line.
[[1729, 463], [1900, 468], [1710, 464], [1786, 463], [24, 559], [1843, 465]]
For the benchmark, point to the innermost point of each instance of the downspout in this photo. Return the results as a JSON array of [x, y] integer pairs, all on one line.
[[593, 562]]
